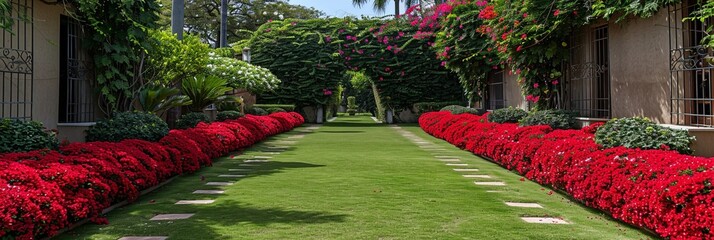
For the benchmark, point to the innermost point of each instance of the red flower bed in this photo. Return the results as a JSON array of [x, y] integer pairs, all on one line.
[[664, 191], [44, 191]]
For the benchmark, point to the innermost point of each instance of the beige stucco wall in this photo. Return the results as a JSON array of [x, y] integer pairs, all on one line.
[[46, 62], [512, 91], [639, 67]]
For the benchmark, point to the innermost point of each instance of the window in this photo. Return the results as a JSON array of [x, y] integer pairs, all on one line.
[[496, 97], [76, 98], [691, 74], [16, 65], [587, 88]]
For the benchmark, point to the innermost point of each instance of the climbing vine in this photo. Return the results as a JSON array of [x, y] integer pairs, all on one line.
[[117, 40]]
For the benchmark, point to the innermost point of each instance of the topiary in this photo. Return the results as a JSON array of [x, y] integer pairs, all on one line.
[[23, 136], [274, 110], [191, 119], [257, 111], [556, 118], [507, 115], [456, 109], [644, 134], [228, 115], [128, 125]]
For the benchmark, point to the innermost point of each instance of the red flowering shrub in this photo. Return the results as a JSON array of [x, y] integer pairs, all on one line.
[[664, 191], [44, 191]]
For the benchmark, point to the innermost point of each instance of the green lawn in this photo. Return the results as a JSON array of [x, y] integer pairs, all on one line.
[[355, 179]]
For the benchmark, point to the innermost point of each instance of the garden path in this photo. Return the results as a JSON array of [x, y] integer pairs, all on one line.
[[355, 179]]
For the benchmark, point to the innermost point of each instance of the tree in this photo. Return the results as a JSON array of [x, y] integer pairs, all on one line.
[[244, 16], [381, 5]]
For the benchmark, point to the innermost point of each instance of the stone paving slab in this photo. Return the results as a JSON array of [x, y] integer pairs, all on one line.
[[240, 170], [270, 153], [477, 176], [167, 217], [296, 137], [145, 238], [457, 164], [466, 170], [219, 183], [255, 161], [490, 183], [231, 176], [524, 205], [450, 160], [208, 192], [262, 157], [195, 202], [544, 220], [247, 165]]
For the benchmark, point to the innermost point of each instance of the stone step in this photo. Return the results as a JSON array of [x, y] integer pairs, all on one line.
[[231, 176], [524, 205], [195, 202], [219, 183], [466, 170], [490, 183], [209, 192], [167, 217], [477, 176], [544, 220]]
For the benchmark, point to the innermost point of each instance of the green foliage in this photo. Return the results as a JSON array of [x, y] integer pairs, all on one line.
[[400, 62], [117, 38], [624, 9], [351, 102], [158, 100], [456, 109], [704, 14], [205, 90], [557, 119], [6, 21], [170, 60], [191, 119], [300, 53], [424, 107], [228, 115], [286, 107], [642, 133], [466, 48], [507, 115], [242, 75], [257, 111], [274, 110], [244, 16], [128, 125], [23, 136]]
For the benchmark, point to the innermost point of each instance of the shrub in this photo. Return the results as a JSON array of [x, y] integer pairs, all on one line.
[[644, 134], [557, 119], [507, 115], [228, 115], [274, 110], [128, 125], [424, 107], [456, 109], [22, 136], [190, 120], [257, 111], [286, 107]]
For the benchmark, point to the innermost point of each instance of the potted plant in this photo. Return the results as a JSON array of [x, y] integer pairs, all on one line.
[[351, 106]]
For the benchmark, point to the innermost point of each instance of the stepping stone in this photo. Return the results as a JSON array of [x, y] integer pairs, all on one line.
[[544, 220], [262, 157], [231, 176], [248, 165], [166, 217], [466, 170], [524, 205], [255, 161], [240, 170], [195, 202], [296, 137], [457, 164], [477, 176], [144, 238], [490, 183], [492, 191], [219, 183], [450, 160], [213, 192], [278, 147], [270, 153]]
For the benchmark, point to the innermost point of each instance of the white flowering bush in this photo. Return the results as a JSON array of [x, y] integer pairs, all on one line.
[[242, 75]]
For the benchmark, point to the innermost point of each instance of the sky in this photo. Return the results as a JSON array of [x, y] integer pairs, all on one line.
[[342, 8]]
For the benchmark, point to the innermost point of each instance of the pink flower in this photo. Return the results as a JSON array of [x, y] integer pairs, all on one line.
[[555, 82], [328, 39], [556, 13], [536, 85], [519, 48], [443, 63], [481, 3]]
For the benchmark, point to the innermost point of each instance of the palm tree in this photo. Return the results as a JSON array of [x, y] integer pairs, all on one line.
[[381, 5]]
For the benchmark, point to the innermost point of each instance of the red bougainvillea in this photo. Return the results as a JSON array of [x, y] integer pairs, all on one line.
[[44, 191], [664, 191]]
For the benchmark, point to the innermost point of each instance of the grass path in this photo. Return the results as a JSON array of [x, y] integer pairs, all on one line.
[[355, 179]]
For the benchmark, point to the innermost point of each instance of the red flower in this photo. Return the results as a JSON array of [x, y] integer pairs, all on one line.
[[556, 13]]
